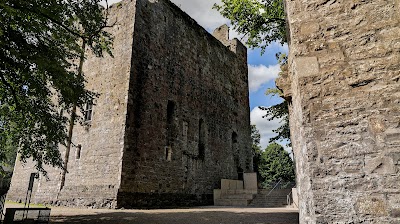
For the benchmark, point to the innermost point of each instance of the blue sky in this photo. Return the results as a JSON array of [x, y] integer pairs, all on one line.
[[263, 69]]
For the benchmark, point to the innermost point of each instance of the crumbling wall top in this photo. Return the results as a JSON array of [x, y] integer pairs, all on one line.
[[222, 34]]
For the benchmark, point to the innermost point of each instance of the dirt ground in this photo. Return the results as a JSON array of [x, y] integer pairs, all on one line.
[[201, 215]]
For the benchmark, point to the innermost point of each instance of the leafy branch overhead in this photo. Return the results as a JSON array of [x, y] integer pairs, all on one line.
[[40, 41], [260, 21]]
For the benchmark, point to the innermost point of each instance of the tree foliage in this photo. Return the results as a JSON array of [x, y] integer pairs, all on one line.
[[278, 111], [40, 43], [256, 148], [261, 21], [276, 165]]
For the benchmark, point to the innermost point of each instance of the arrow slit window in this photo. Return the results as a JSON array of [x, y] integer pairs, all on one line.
[[88, 111]]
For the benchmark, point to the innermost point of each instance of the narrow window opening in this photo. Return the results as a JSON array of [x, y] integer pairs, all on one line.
[[168, 153], [235, 152], [202, 135], [234, 137], [185, 129], [240, 173], [170, 122], [88, 111], [78, 152]]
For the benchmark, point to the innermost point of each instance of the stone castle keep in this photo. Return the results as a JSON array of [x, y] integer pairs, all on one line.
[[344, 88], [171, 121]]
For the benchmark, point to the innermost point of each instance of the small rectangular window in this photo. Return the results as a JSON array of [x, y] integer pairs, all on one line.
[[88, 111], [168, 153], [170, 122], [78, 152], [202, 139]]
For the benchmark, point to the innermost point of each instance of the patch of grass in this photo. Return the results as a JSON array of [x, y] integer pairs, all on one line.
[[31, 205]]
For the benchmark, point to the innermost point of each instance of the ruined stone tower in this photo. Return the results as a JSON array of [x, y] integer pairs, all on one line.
[[171, 120], [344, 88]]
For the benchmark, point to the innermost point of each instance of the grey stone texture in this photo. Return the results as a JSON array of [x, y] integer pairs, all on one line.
[[343, 82], [171, 121]]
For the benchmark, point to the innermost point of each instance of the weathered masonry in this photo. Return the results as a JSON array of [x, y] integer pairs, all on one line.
[[172, 119], [344, 86]]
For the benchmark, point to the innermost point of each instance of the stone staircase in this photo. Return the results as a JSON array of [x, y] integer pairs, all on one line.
[[244, 193], [277, 198], [239, 198], [238, 193]]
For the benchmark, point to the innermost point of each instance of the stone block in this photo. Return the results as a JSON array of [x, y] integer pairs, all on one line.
[[380, 165], [295, 197], [216, 194], [225, 184], [222, 34], [309, 28], [250, 181], [233, 184], [306, 66], [239, 185], [374, 205]]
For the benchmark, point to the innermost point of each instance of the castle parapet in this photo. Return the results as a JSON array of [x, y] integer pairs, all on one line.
[[222, 34]]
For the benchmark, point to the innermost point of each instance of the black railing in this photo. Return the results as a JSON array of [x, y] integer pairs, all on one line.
[[2, 203], [27, 215]]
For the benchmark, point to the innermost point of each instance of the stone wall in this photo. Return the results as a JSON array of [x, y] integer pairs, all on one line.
[[171, 121], [188, 114], [344, 83], [93, 179]]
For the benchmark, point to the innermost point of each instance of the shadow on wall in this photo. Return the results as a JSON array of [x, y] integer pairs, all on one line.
[[181, 217]]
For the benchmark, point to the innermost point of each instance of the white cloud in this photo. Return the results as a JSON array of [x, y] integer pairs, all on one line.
[[199, 10], [261, 74], [202, 12], [266, 128]]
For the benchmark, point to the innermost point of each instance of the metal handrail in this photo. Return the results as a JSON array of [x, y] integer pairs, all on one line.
[[288, 198], [274, 187]]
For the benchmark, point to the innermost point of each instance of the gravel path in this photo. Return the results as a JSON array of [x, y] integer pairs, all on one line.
[[206, 215], [200, 215]]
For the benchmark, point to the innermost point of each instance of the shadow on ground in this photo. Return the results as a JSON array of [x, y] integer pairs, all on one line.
[[191, 217]]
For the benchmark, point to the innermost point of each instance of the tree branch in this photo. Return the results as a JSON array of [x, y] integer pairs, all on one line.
[[49, 18], [271, 20], [9, 86]]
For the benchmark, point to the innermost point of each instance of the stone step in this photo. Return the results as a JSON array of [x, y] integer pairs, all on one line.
[[271, 196], [238, 191], [232, 202], [275, 199], [270, 199], [268, 202], [237, 196], [267, 206], [274, 192]]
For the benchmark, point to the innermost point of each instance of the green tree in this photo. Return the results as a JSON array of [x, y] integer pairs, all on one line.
[[261, 21], [6, 166], [276, 165], [256, 148], [41, 42]]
